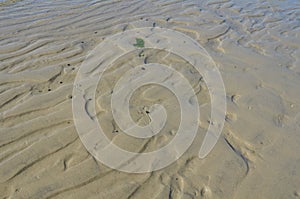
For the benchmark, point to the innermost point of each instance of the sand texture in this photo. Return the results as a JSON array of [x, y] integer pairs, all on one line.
[[254, 44]]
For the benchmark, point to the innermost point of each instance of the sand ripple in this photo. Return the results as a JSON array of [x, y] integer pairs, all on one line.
[[256, 47]]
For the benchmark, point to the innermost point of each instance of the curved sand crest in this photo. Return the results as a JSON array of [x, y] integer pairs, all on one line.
[[43, 44]]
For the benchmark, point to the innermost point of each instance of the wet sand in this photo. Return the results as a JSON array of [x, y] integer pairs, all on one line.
[[255, 46]]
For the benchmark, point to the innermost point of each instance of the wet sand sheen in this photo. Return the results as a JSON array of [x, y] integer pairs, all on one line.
[[255, 46]]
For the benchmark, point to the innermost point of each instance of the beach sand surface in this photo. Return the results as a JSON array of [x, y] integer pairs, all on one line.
[[255, 45]]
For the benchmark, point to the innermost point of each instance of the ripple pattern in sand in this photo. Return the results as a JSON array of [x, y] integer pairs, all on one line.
[[256, 47]]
